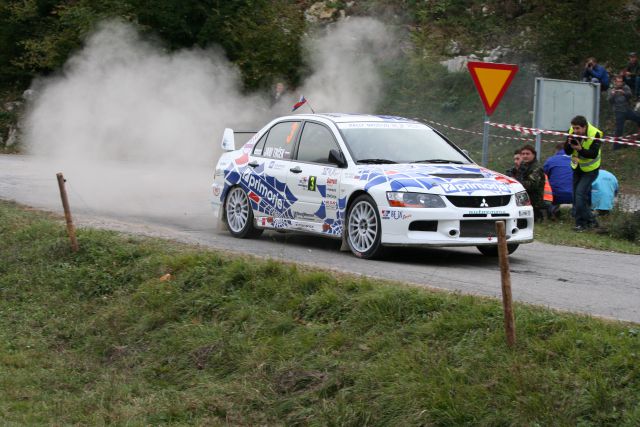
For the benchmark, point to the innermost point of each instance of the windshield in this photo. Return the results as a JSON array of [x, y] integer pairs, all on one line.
[[398, 143]]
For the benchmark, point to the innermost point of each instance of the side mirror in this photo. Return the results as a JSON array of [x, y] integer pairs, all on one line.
[[337, 158], [228, 140]]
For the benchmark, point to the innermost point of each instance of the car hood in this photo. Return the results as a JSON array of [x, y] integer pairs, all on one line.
[[437, 179]]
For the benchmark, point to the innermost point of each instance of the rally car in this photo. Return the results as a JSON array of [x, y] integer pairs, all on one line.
[[373, 181]]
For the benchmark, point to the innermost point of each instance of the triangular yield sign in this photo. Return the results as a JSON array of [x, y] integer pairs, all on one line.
[[492, 81]]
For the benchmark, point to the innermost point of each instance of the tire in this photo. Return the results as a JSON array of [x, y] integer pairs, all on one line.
[[493, 250], [363, 228], [238, 215]]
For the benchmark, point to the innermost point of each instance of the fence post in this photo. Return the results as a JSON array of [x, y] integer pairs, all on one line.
[[505, 276], [71, 230]]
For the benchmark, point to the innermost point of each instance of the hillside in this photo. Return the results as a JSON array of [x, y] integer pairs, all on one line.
[[267, 41]]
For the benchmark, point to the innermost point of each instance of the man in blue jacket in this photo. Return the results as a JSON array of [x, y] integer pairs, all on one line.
[[603, 192], [558, 170], [595, 73]]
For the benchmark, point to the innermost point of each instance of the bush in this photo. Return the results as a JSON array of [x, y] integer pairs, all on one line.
[[625, 225]]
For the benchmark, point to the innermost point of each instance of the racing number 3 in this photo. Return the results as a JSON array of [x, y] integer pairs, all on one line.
[[312, 183]]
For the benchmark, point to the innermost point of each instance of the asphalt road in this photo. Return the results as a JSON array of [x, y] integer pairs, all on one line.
[[173, 203]]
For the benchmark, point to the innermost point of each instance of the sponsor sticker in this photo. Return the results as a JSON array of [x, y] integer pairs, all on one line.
[[275, 166], [330, 171], [303, 215], [382, 125], [471, 186], [266, 221], [332, 181], [276, 152], [486, 212], [524, 213], [394, 214], [260, 189]]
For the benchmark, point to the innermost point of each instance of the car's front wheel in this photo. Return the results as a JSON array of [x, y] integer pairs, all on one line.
[[364, 228], [493, 250], [239, 215]]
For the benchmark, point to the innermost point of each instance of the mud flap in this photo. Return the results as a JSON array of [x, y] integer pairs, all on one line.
[[220, 223], [344, 247]]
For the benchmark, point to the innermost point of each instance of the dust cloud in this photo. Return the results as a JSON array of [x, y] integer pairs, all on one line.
[[137, 129]]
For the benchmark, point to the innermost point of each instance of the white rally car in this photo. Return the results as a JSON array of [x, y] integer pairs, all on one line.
[[373, 181]]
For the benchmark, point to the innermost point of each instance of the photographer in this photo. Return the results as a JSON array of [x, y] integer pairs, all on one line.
[[586, 157], [595, 73], [620, 97]]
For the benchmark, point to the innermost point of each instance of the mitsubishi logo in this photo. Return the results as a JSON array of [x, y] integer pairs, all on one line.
[[484, 203]]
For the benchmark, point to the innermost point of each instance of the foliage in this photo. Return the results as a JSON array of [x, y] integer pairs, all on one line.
[[105, 336], [625, 225], [618, 232], [262, 37]]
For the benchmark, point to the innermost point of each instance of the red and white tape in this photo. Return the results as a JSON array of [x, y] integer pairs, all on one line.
[[471, 131], [533, 131]]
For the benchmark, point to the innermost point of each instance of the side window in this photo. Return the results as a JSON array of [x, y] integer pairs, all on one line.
[[315, 143], [257, 150], [280, 140]]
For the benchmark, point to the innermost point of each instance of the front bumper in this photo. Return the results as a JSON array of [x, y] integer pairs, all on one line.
[[454, 227]]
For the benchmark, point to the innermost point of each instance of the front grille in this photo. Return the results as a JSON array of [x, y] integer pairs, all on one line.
[[479, 201], [477, 228], [423, 226]]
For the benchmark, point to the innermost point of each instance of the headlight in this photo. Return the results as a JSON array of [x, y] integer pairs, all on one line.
[[522, 199], [401, 199]]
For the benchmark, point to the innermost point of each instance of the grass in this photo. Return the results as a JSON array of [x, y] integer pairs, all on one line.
[[561, 233], [105, 336]]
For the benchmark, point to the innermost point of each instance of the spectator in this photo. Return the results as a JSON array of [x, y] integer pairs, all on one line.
[[603, 192], [595, 73], [619, 98], [531, 176], [558, 169], [278, 93], [631, 74], [586, 157], [513, 171]]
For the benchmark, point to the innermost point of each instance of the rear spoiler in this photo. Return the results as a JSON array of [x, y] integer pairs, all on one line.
[[229, 140]]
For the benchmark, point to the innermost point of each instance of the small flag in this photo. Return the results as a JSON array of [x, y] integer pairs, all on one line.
[[299, 104]]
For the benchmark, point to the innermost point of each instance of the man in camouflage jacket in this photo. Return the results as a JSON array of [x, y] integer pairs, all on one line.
[[531, 176]]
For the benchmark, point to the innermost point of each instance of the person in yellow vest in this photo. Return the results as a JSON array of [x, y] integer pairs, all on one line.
[[586, 156]]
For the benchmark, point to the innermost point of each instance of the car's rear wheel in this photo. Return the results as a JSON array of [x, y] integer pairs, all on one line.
[[493, 250], [364, 228], [239, 215]]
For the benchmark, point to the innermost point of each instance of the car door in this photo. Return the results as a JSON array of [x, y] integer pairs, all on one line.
[[266, 175], [315, 179]]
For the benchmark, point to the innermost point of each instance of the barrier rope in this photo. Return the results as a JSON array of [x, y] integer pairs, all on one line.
[[534, 131], [514, 138]]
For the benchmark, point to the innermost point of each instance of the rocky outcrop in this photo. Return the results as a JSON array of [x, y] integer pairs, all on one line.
[[459, 63]]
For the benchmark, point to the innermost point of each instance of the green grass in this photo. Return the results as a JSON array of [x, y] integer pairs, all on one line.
[[97, 337], [561, 233]]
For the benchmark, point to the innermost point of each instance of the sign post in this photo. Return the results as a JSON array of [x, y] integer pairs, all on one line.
[[556, 102], [492, 81]]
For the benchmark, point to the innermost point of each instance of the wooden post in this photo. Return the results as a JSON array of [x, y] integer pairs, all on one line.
[[71, 230], [507, 302]]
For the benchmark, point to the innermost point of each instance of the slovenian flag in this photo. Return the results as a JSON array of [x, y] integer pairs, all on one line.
[[299, 104]]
